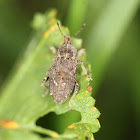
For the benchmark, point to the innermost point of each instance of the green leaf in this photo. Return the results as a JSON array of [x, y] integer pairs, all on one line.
[[21, 100]]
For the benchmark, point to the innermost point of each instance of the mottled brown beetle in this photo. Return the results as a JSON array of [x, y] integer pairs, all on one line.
[[62, 73]]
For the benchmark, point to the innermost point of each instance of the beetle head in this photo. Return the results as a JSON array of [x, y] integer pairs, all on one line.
[[67, 40]]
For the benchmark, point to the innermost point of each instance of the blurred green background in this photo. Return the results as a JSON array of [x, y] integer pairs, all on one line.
[[112, 40]]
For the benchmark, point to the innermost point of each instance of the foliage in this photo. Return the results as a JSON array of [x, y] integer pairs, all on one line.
[[21, 97]]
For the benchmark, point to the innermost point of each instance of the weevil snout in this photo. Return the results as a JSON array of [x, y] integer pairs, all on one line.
[[67, 40]]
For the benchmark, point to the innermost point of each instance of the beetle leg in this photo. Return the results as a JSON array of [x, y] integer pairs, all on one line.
[[75, 92], [46, 93], [53, 49], [80, 52], [84, 69], [43, 84]]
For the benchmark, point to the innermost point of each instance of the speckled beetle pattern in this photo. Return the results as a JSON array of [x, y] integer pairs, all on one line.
[[61, 75]]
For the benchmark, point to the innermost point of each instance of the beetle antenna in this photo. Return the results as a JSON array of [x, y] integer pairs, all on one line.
[[80, 29], [60, 29]]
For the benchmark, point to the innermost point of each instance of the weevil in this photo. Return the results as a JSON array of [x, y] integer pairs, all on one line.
[[61, 75]]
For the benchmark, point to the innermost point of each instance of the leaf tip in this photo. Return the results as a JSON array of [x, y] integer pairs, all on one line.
[[52, 13]]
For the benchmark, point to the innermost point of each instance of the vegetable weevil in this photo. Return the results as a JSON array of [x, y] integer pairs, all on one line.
[[61, 75]]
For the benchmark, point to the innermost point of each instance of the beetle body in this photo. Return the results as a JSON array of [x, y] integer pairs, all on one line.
[[62, 78], [62, 74]]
